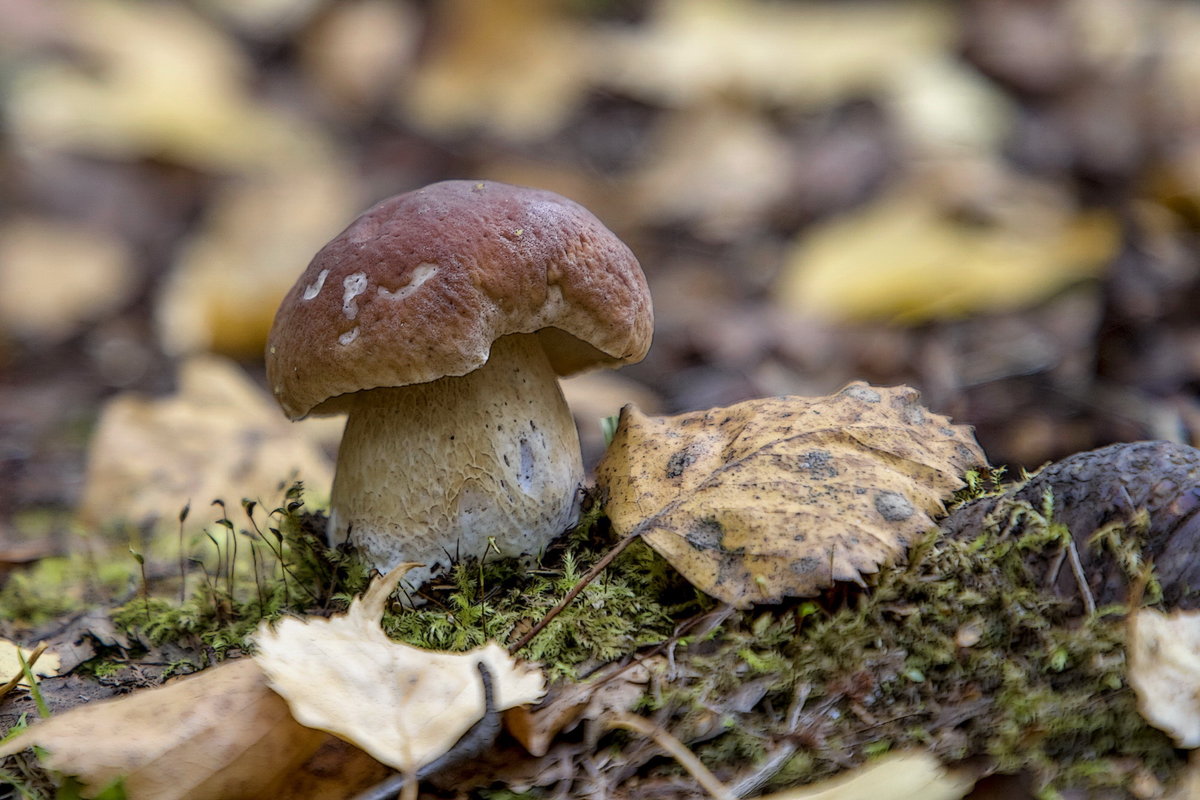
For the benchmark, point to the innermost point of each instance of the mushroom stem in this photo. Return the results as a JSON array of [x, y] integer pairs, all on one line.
[[433, 471]]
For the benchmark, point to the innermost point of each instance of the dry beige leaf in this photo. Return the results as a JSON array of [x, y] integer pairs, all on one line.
[[403, 705], [221, 437], [594, 397], [1164, 670], [916, 254], [781, 497], [91, 269], [896, 776], [1187, 783], [221, 734], [10, 663]]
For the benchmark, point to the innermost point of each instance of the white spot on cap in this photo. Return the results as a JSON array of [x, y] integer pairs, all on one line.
[[422, 273], [314, 288], [354, 285], [349, 336]]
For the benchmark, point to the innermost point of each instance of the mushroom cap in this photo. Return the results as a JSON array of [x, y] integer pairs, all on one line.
[[420, 285]]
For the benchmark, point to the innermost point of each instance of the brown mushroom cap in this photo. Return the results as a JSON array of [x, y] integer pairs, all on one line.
[[419, 286]]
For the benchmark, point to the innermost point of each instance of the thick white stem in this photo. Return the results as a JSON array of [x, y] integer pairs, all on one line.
[[432, 472]]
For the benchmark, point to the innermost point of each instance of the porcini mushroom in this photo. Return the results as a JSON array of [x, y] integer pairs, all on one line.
[[439, 321]]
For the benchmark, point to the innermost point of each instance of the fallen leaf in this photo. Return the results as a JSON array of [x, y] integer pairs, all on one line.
[[1187, 784], [355, 50], [915, 255], [223, 293], [515, 69], [615, 687], [1163, 663], [221, 734], [781, 497], [92, 271], [797, 54], [152, 80], [896, 776], [10, 664], [595, 396], [264, 19], [716, 166], [220, 436], [403, 705]]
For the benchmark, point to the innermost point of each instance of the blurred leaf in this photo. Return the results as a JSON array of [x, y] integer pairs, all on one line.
[[152, 79], [220, 436], [261, 231], [10, 663], [781, 497], [264, 18], [1164, 671], [358, 51], [55, 277], [798, 54], [717, 167], [943, 108], [516, 69], [910, 257]]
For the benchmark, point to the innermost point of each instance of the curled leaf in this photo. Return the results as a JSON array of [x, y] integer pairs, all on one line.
[[783, 496], [403, 705], [1164, 671], [219, 734]]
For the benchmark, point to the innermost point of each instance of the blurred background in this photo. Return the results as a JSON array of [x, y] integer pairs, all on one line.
[[995, 201]]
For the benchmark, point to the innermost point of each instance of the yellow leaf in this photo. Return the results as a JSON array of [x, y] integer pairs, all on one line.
[[907, 258], [780, 497], [221, 437], [898, 776], [1164, 671], [92, 269], [403, 705], [798, 54]]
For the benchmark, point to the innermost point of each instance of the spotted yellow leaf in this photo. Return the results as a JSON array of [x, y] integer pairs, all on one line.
[[781, 497]]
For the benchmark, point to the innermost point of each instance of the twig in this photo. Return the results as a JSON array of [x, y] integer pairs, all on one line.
[[686, 758], [590, 576], [1089, 602]]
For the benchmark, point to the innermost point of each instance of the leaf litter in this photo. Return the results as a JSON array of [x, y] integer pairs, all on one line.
[[958, 650]]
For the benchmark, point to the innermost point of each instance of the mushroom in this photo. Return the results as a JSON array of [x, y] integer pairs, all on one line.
[[439, 321]]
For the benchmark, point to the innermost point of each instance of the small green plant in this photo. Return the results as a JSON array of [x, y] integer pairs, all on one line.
[[274, 562]]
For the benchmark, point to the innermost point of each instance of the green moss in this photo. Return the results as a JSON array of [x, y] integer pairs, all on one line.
[[267, 564], [55, 587], [635, 602], [1042, 688]]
